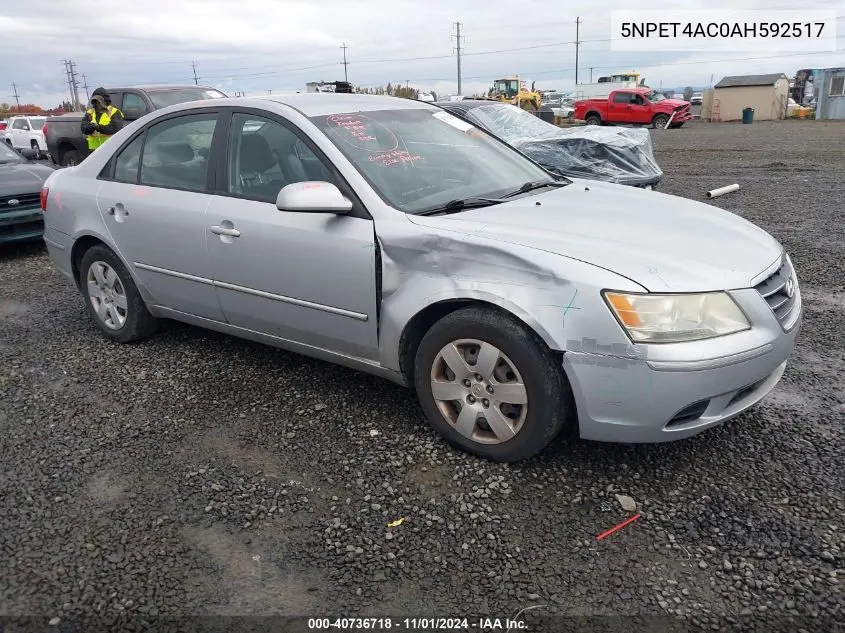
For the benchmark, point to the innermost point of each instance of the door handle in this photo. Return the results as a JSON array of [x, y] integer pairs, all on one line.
[[222, 230]]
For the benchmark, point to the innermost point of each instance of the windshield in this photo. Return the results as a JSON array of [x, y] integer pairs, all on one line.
[[509, 122], [37, 122], [8, 155], [654, 97], [164, 98], [417, 159]]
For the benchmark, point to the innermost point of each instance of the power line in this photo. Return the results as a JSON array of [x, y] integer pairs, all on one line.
[[287, 68], [345, 75], [457, 37], [651, 65]]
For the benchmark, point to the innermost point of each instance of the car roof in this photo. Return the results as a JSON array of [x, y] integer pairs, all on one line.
[[154, 87], [312, 103], [467, 104], [321, 103]]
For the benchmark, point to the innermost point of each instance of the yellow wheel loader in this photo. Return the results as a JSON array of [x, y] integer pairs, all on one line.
[[512, 90]]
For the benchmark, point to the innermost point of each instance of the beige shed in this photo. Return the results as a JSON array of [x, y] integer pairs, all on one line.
[[767, 94]]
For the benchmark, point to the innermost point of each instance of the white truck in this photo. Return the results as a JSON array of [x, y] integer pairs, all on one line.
[[26, 132], [606, 85]]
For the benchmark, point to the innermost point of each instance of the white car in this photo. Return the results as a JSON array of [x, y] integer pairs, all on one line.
[[26, 132]]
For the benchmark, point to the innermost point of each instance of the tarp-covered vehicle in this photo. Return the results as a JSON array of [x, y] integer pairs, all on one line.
[[612, 154]]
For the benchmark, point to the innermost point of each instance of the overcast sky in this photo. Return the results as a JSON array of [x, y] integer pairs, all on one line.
[[280, 45]]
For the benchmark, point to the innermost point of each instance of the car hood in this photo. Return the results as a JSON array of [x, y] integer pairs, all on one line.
[[674, 102], [22, 178], [662, 242]]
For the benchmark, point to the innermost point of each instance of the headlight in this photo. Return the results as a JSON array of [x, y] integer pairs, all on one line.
[[654, 318]]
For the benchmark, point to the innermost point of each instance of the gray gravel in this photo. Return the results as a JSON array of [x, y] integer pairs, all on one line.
[[199, 474]]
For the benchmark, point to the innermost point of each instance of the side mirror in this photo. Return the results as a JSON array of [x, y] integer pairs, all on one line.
[[314, 196], [28, 153]]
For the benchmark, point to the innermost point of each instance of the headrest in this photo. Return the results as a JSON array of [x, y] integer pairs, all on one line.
[[256, 156], [175, 152]]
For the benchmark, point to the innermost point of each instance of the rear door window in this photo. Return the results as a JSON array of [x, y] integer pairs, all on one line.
[[177, 152]]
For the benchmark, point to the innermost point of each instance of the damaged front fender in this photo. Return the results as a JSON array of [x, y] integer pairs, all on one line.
[[423, 264]]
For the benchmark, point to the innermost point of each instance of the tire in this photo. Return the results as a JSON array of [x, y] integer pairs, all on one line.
[[70, 158], [529, 427], [137, 322], [593, 119], [659, 121], [34, 145]]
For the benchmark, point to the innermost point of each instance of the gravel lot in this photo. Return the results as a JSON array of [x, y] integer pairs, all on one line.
[[198, 474]]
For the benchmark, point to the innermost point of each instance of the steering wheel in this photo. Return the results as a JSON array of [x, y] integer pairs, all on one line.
[[460, 172]]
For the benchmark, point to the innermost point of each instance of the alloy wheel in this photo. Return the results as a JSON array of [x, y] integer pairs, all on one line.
[[107, 295], [479, 391]]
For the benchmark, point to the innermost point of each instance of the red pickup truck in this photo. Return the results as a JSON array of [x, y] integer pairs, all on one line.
[[638, 106]]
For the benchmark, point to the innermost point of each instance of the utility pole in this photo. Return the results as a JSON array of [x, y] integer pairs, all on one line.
[[17, 96], [591, 73], [345, 63], [457, 37], [194, 67], [73, 86], [577, 43], [85, 84]]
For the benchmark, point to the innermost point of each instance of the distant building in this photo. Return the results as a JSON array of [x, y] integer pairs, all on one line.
[[830, 93], [767, 94]]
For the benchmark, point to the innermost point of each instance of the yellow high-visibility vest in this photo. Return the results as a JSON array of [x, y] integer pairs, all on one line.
[[98, 138]]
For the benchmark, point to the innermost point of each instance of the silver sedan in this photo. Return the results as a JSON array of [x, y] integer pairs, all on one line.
[[389, 236]]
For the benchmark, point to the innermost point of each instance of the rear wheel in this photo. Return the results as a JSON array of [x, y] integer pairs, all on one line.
[[489, 385], [593, 119], [112, 299], [70, 158]]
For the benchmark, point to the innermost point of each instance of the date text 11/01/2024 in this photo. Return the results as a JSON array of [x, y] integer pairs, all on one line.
[[417, 624]]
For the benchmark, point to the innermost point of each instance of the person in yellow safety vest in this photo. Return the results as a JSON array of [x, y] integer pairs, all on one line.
[[101, 120]]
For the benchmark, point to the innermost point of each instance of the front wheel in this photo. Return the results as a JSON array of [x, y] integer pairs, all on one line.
[[660, 121], [112, 299], [489, 385], [36, 149]]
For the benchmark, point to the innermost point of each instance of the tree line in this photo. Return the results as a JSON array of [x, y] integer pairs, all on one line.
[[395, 91], [30, 108]]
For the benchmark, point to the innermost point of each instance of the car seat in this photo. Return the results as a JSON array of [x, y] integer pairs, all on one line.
[[256, 159]]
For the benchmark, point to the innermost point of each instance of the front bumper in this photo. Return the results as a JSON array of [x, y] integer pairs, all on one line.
[[21, 225], [674, 391], [682, 116]]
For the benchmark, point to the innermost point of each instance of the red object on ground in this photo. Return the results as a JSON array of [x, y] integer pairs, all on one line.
[[618, 527]]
